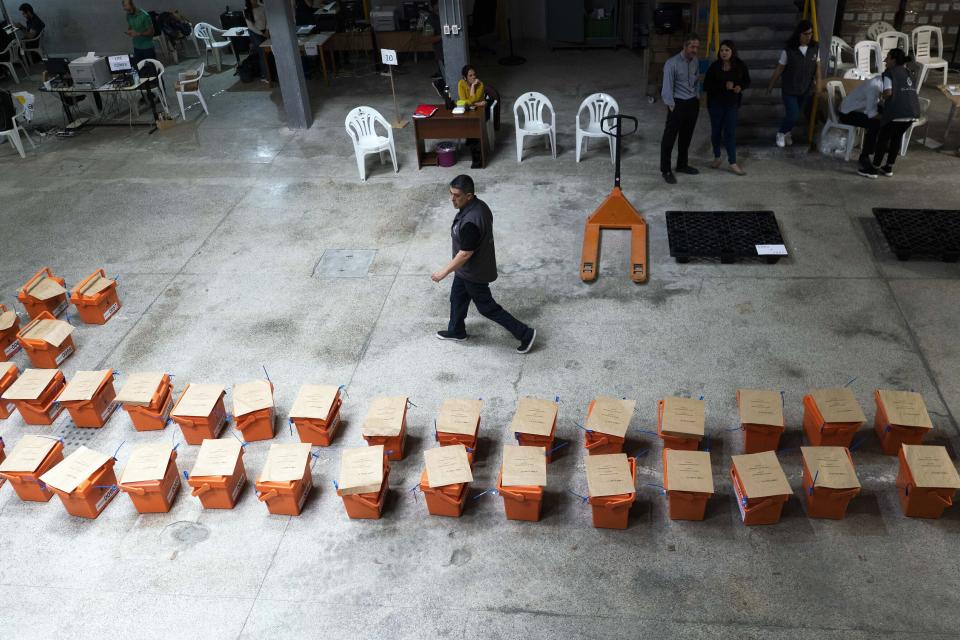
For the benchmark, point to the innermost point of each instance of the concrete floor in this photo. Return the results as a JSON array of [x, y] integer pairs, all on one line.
[[216, 229]]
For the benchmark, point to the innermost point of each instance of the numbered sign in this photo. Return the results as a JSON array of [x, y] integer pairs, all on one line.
[[388, 56]]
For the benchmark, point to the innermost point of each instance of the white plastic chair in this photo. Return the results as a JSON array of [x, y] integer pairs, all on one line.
[[12, 133], [866, 57], [207, 33], [191, 87], [835, 95], [162, 90], [532, 106], [893, 40], [839, 47], [927, 44], [919, 122], [33, 45], [11, 55], [877, 28], [598, 106], [361, 124]]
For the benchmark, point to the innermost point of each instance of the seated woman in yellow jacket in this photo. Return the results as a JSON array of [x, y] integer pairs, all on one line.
[[470, 89]]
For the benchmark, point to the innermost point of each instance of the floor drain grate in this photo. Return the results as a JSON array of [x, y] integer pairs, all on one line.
[[73, 436], [727, 235], [931, 233], [344, 263]]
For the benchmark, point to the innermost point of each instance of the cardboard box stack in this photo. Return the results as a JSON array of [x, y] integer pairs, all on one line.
[[84, 481], [459, 422], [446, 479], [522, 477], [831, 417], [8, 375], [316, 413], [688, 481], [829, 481], [32, 457], [607, 422], [761, 419], [200, 412], [151, 478], [89, 398], [535, 424], [148, 399], [612, 481], [34, 394], [680, 423], [47, 341], [96, 298], [386, 424], [363, 481], [253, 409], [43, 292], [927, 480], [901, 418], [286, 481], [9, 327], [218, 474], [760, 486]]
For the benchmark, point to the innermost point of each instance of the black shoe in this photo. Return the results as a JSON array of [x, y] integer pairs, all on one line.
[[669, 178], [688, 170], [476, 164], [868, 171], [446, 335], [886, 170], [527, 343]]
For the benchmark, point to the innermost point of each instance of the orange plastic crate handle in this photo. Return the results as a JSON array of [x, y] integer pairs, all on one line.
[[30, 284], [519, 497], [596, 443], [760, 505], [373, 504], [268, 495], [197, 491], [685, 495], [947, 501], [140, 491]]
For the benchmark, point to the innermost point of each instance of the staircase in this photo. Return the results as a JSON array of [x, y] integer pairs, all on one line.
[[759, 28]]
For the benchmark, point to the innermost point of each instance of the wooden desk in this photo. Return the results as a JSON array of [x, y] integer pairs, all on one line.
[[444, 124], [352, 41], [320, 40], [404, 42], [954, 105]]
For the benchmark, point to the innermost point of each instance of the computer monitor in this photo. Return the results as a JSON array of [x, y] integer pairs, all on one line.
[[56, 66], [119, 64]]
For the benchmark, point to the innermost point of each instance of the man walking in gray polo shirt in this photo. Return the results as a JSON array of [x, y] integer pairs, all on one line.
[[681, 74]]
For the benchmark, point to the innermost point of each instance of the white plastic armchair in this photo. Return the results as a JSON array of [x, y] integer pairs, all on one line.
[[361, 124], [877, 28], [927, 42], [529, 119], [11, 130], [916, 124], [191, 87], [893, 40], [838, 49], [33, 45], [10, 55], [597, 107], [867, 60], [161, 89], [835, 95], [207, 34]]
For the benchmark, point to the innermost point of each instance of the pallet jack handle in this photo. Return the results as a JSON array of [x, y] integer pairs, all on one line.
[[616, 131]]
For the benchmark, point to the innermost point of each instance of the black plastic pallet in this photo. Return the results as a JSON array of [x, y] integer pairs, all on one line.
[[727, 235], [912, 233]]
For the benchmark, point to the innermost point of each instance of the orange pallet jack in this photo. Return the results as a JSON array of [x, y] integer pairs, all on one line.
[[615, 212]]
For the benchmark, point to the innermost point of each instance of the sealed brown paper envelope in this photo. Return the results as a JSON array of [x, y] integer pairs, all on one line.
[[611, 416], [53, 332], [447, 465], [688, 471], [524, 466], [96, 284], [385, 417], [609, 475], [682, 417], [314, 401], [760, 406], [905, 408], [30, 384], [286, 462], [459, 416], [361, 470], [761, 475], [830, 467], [837, 405], [7, 319], [198, 400], [217, 457], [534, 417], [931, 466], [74, 469], [139, 389], [46, 288], [83, 385], [28, 453], [147, 462], [251, 396]]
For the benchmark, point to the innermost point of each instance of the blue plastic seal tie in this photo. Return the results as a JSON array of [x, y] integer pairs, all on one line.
[[175, 446], [559, 446], [850, 381], [388, 452], [436, 435], [887, 428], [242, 443], [336, 486], [556, 399], [583, 499], [115, 373], [469, 450], [186, 476], [641, 452], [815, 476], [653, 433], [104, 486], [480, 495], [859, 442], [701, 397], [580, 426], [290, 425], [516, 434], [265, 373], [411, 403], [783, 398], [657, 486], [118, 450]]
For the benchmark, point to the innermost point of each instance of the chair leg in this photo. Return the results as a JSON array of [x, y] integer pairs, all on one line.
[[183, 113], [361, 165], [553, 143], [216, 54], [579, 144], [203, 103], [14, 138], [519, 146], [393, 156]]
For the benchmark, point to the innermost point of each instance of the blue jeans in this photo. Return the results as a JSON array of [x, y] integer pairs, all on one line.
[[793, 106], [723, 129]]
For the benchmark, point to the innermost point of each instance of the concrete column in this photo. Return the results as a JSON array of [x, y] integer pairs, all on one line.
[[456, 44], [826, 17], [286, 52]]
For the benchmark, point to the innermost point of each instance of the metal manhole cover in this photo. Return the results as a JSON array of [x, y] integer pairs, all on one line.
[[73, 436], [345, 263]]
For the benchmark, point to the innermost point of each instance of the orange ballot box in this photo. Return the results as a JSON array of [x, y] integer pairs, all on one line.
[[829, 481], [218, 474], [34, 394], [96, 298], [445, 480], [253, 409], [901, 418], [89, 397], [9, 327], [459, 422], [47, 341], [927, 480], [43, 292], [285, 481], [85, 482], [761, 418], [680, 423], [386, 424], [363, 481], [688, 481], [831, 417], [607, 422], [612, 481], [200, 412], [147, 398], [535, 424], [316, 413], [8, 375], [32, 457], [151, 478], [523, 475], [761, 487]]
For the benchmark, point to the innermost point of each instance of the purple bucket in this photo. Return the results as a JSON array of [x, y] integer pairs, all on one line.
[[446, 154]]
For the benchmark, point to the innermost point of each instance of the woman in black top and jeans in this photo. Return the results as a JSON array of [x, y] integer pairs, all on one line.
[[726, 80]]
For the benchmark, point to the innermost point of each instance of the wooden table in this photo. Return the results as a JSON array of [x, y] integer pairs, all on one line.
[[320, 40], [954, 105], [445, 125], [404, 42]]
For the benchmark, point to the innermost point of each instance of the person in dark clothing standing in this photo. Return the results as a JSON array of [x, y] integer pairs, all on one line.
[[900, 108], [726, 80], [681, 73], [799, 65], [474, 266]]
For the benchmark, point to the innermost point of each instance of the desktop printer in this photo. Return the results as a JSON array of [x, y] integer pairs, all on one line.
[[91, 70]]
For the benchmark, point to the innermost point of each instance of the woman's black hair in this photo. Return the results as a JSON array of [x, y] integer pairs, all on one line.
[[733, 50], [794, 41], [899, 56], [466, 69]]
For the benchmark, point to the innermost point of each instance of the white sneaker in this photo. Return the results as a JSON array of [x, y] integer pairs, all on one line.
[[781, 140], [788, 138]]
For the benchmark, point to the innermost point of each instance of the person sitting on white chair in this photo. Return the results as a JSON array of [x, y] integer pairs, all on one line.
[[33, 26], [901, 106], [861, 109]]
